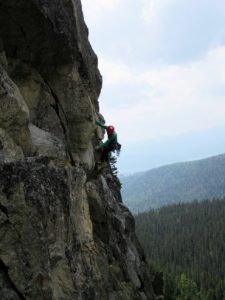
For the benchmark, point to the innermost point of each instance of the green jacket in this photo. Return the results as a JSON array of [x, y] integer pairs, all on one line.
[[112, 139]]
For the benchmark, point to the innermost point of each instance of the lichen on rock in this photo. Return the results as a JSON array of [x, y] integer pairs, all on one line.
[[14, 116], [64, 231]]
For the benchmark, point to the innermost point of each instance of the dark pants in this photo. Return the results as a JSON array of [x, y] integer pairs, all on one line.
[[105, 153]]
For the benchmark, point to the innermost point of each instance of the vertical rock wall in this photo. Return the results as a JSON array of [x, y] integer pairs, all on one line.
[[64, 231]]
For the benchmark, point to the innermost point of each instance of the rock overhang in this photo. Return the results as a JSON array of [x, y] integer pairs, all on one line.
[[45, 43]]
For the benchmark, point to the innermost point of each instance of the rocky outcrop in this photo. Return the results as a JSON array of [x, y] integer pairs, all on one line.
[[64, 231]]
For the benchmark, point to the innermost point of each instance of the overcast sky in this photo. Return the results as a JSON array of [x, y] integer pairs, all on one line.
[[163, 67]]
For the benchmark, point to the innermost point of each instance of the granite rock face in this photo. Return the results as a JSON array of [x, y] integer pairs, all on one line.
[[64, 231]]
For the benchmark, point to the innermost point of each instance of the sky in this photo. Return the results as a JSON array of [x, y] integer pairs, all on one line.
[[163, 68]]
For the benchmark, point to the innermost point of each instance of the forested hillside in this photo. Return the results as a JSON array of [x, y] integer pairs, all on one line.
[[187, 242], [181, 182]]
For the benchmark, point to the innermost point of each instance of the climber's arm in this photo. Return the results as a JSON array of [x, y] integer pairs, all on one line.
[[101, 125]]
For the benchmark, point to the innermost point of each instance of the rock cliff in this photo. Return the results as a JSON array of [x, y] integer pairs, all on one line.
[[64, 231]]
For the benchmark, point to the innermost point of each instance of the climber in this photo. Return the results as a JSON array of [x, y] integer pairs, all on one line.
[[110, 145]]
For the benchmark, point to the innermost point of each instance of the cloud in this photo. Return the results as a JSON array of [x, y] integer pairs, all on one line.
[[171, 30], [167, 100], [101, 4], [95, 9], [180, 31], [153, 10], [116, 72]]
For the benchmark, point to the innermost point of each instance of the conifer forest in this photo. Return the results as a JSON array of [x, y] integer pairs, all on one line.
[[185, 244]]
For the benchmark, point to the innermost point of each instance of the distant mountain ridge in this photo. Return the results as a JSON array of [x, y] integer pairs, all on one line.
[[175, 183]]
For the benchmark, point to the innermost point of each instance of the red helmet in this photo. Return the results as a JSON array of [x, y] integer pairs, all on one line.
[[110, 129]]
